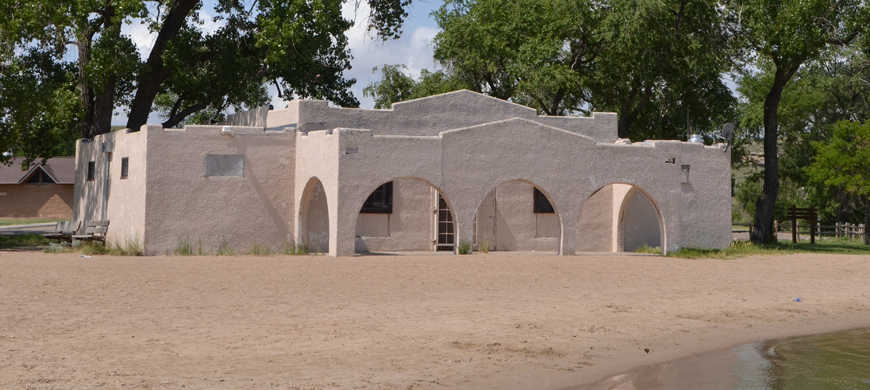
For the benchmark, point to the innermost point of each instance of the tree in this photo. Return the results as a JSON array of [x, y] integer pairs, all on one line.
[[297, 45], [785, 35], [656, 63], [844, 163], [396, 86]]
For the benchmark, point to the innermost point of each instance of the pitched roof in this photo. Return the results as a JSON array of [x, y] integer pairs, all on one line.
[[61, 169]]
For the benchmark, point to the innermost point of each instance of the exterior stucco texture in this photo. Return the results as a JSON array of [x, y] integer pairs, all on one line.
[[308, 169]]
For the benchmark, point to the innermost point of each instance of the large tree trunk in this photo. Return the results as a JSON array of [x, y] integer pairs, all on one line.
[[631, 110], [762, 231], [99, 104], [150, 81]]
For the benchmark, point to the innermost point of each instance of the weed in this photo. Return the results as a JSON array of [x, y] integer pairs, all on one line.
[[93, 248], [130, 248], [183, 248], [464, 248], [297, 249], [260, 250], [483, 247], [649, 249]]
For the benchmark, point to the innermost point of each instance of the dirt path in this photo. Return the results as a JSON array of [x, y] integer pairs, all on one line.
[[397, 322]]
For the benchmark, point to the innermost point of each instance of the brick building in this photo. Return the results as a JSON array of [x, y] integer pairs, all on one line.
[[43, 191]]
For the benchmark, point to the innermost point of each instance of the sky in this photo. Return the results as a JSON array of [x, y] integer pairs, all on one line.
[[414, 48]]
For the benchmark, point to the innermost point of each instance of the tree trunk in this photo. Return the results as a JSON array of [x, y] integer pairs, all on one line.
[[867, 222], [151, 80], [763, 226], [631, 111]]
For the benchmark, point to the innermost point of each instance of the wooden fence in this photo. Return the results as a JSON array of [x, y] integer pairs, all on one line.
[[843, 230]]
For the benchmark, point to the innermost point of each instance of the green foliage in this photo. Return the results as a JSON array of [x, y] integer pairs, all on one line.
[[739, 249], [130, 247], [844, 160], [91, 248], [260, 250], [464, 248], [22, 240], [66, 68], [657, 64], [656, 250], [396, 86], [297, 249], [184, 248]]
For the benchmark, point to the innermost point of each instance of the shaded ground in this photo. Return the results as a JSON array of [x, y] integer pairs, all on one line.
[[397, 322]]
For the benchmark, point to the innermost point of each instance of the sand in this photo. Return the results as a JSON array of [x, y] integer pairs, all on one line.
[[498, 321]]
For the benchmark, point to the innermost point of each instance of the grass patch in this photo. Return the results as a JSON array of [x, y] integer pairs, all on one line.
[[260, 250], [649, 249], [483, 247], [26, 221], [743, 248], [22, 240], [464, 248], [183, 248], [297, 249]]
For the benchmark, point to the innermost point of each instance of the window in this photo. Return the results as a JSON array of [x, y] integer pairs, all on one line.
[[39, 177], [125, 165], [542, 204], [380, 201], [91, 169], [224, 165]]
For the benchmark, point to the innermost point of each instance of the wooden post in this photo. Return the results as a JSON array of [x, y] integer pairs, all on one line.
[[793, 212], [813, 225]]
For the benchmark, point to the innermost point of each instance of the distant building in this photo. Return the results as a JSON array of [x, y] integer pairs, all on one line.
[[43, 191], [426, 175]]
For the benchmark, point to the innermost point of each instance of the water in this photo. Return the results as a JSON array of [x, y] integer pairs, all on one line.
[[835, 361]]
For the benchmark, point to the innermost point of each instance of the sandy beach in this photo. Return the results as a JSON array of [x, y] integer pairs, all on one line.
[[497, 321]]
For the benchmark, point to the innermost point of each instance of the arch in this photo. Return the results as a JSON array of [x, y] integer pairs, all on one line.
[[409, 224], [620, 217], [508, 220], [313, 220]]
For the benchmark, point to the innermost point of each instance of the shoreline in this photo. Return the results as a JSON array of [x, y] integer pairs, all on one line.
[[497, 321]]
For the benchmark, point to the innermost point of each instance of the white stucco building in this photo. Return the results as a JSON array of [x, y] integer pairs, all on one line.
[[425, 175]]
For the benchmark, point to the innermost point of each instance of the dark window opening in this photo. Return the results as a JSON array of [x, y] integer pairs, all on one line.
[[380, 201], [542, 204], [91, 171], [125, 164], [39, 177]]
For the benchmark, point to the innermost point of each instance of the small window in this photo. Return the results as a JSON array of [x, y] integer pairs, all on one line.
[[542, 204], [91, 170], [39, 177], [684, 177], [224, 165], [125, 165], [380, 201]]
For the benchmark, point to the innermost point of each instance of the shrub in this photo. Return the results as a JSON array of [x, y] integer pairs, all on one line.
[[464, 248]]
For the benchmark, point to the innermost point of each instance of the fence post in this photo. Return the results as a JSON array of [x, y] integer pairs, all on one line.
[[813, 225], [793, 217]]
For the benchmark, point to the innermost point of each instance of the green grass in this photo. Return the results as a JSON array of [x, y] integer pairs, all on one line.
[[657, 250], [25, 221], [464, 248], [260, 250], [741, 248], [22, 240]]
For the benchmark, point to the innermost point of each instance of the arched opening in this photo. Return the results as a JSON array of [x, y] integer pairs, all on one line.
[[619, 218], [517, 216], [314, 217], [405, 214]]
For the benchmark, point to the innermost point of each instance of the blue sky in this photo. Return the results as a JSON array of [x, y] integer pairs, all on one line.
[[413, 49]]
